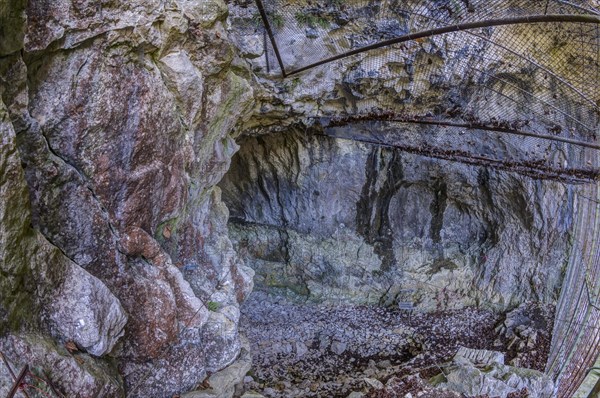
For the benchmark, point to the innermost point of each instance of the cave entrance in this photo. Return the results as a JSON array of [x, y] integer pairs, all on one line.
[[340, 232], [335, 220]]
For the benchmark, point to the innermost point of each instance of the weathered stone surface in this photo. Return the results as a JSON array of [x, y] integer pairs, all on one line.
[[78, 375], [222, 384], [84, 311], [376, 384], [12, 26], [479, 357], [339, 221], [471, 378], [124, 115], [45, 294], [338, 347]]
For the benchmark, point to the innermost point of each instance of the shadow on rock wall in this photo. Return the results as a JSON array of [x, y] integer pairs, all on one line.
[[340, 221]]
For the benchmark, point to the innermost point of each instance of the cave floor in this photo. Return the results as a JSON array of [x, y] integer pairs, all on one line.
[[308, 350]]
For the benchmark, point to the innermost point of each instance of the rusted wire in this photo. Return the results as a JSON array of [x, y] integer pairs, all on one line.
[[478, 125]]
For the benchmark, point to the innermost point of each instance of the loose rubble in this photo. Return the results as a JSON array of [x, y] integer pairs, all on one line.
[[309, 350]]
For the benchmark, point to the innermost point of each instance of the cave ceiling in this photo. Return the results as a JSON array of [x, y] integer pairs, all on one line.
[[510, 84]]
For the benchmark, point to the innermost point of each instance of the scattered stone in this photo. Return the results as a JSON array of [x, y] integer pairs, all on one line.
[[376, 384], [301, 349], [385, 364], [480, 372], [479, 357], [252, 394], [338, 347], [378, 352], [356, 394]]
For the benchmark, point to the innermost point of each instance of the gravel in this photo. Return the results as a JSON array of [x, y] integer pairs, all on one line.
[[310, 350]]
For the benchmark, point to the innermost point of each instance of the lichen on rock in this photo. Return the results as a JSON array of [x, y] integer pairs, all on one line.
[[124, 119]]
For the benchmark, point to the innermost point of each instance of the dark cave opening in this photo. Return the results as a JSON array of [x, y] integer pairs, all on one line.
[[342, 233]]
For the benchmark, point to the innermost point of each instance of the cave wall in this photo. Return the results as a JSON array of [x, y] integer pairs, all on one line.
[[340, 221], [114, 238]]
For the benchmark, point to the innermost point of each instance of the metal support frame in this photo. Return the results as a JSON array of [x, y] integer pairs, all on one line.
[[18, 381], [570, 176], [470, 126], [531, 19], [263, 15], [589, 295]]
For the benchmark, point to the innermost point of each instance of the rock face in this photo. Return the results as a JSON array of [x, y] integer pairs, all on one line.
[[122, 114], [46, 295], [340, 221]]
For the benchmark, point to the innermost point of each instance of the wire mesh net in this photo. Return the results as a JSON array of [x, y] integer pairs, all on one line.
[[576, 336], [478, 66]]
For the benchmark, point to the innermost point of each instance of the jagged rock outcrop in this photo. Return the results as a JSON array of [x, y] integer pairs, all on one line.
[[480, 372], [123, 114], [337, 220]]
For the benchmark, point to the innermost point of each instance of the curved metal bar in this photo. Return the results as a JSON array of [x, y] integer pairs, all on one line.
[[526, 59], [592, 19], [514, 132]]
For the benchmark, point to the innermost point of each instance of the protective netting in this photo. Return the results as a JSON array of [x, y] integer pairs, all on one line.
[[507, 84], [576, 336], [531, 81]]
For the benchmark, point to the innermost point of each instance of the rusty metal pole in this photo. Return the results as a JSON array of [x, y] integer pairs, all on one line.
[[18, 381], [265, 18], [12, 373]]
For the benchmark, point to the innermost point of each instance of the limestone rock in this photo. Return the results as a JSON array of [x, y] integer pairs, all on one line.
[[338, 347], [223, 383], [84, 311], [479, 357], [207, 12], [252, 394], [300, 349], [376, 384], [122, 136], [75, 376], [44, 295], [356, 394]]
